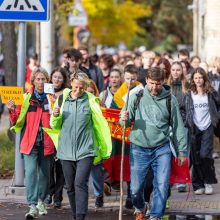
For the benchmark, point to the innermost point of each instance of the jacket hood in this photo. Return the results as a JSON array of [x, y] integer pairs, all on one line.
[[164, 93]]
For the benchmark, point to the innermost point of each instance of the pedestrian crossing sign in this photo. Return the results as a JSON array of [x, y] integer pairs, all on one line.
[[24, 10]]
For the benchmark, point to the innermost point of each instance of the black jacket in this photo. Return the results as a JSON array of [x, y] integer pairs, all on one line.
[[142, 76], [187, 109], [97, 76]]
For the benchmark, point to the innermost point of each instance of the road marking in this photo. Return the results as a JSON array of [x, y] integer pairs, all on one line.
[[22, 6]]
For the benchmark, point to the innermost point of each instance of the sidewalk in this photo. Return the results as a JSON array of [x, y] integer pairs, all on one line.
[[203, 204]]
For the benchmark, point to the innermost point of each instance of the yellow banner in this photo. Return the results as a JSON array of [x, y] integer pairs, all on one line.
[[8, 93]]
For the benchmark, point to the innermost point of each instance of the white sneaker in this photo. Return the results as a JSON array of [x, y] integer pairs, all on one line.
[[208, 189], [199, 191], [32, 212], [215, 155], [147, 209], [41, 208]]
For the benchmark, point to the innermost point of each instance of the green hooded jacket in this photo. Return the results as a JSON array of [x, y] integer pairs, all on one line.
[[151, 121], [99, 146]]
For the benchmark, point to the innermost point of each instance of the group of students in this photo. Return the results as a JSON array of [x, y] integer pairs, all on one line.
[[65, 133]]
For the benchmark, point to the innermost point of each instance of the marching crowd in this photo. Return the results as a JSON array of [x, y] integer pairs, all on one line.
[[173, 109]]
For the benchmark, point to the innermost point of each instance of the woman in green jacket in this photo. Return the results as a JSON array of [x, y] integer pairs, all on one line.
[[84, 135]]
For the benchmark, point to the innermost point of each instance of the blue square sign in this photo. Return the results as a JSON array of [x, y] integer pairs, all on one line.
[[24, 10]]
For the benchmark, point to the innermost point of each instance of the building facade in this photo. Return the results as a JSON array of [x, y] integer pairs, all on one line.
[[206, 31]]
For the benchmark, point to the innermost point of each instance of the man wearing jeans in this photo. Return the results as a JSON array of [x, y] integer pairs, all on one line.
[[150, 146]]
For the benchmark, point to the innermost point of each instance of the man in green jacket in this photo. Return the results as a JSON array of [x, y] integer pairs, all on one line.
[[150, 141]]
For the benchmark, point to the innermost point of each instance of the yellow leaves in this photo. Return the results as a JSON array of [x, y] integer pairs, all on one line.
[[110, 23], [97, 7]]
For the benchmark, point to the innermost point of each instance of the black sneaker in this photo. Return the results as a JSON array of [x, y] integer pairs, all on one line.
[[116, 186], [182, 189], [99, 202], [48, 200], [128, 203], [57, 204]]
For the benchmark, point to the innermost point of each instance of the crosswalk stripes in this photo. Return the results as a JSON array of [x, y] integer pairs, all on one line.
[[22, 6]]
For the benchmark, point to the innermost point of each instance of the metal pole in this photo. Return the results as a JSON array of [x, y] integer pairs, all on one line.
[[47, 48], [38, 40], [19, 162]]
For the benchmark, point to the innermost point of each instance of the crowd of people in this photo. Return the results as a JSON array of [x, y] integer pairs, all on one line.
[[65, 137]]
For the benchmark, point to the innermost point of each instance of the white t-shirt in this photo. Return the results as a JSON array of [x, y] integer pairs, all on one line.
[[201, 117]]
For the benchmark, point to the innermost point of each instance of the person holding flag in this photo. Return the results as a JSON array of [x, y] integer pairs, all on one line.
[[150, 142]]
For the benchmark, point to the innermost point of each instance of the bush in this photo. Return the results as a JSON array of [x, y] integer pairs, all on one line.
[[7, 155]]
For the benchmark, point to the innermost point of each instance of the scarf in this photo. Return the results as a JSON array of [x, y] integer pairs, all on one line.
[[58, 89], [40, 97]]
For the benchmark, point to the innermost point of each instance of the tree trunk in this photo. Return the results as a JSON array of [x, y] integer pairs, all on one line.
[[10, 52]]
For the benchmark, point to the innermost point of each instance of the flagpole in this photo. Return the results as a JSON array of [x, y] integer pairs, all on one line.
[[122, 158]]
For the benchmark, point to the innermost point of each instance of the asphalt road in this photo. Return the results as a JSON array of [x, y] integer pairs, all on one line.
[[14, 211]]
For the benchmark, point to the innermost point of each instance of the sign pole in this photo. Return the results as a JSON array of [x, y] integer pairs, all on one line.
[[22, 10], [19, 162]]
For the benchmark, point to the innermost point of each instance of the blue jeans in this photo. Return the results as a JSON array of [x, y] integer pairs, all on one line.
[[97, 174], [141, 159]]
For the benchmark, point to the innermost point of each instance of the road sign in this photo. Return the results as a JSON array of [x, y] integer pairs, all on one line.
[[24, 10], [79, 16], [78, 20]]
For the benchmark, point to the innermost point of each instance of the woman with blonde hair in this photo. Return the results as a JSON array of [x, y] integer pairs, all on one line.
[[177, 81], [84, 139], [178, 85], [92, 88]]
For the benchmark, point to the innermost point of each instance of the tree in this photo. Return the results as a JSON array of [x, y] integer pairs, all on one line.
[[170, 24], [111, 23], [9, 51]]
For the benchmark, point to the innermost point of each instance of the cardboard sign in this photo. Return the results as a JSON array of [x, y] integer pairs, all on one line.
[[8, 93], [49, 88]]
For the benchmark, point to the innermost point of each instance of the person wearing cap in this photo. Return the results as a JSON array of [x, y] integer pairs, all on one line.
[[84, 139]]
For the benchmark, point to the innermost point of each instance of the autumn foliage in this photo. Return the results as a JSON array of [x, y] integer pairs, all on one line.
[[111, 22]]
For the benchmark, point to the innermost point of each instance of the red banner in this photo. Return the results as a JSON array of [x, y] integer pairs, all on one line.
[[112, 117]]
